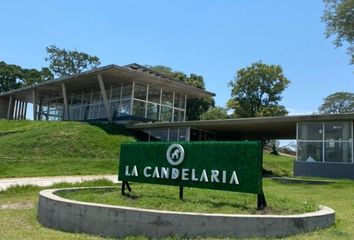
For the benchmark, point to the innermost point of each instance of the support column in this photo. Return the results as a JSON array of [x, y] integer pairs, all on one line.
[[185, 107], [104, 96], [10, 110], [17, 109], [25, 111], [34, 100], [65, 99], [20, 109]]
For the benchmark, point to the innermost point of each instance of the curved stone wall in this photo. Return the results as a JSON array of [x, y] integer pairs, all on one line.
[[116, 221]]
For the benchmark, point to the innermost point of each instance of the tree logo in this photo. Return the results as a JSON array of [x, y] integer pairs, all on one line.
[[175, 154]]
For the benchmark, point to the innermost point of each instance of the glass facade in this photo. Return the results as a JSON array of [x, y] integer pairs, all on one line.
[[125, 99], [178, 134], [325, 142]]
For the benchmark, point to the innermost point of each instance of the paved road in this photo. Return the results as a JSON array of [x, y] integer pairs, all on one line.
[[47, 181]]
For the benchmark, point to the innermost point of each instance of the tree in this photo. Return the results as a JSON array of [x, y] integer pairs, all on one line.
[[256, 91], [13, 76], [339, 102], [215, 113], [195, 107], [339, 17], [63, 62]]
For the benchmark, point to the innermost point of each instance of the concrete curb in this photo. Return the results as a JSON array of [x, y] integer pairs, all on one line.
[[116, 221], [287, 180]]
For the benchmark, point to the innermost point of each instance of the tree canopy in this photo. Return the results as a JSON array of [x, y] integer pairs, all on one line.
[[63, 62], [339, 17], [195, 107], [256, 91], [215, 113], [13, 76], [339, 102]]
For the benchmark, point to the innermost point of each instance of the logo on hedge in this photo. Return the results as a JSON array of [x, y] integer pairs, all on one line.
[[175, 154]]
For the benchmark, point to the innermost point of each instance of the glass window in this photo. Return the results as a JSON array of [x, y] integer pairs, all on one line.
[[310, 151], [166, 114], [178, 116], [75, 99], [140, 91], [124, 108], [127, 91], [138, 108], [338, 151], [153, 110], [173, 135], [310, 131], [338, 131], [154, 95], [167, 98], [102, 111], [195, 135], [179, 100], [158, 134], [115, 93], [182, 134], [115, 108]]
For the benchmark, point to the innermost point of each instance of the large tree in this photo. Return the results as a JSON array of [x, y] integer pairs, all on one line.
[[256, 91], [63, 62], [195, 106], [215, 113], [339, 17], [13, 76], [339, 102]]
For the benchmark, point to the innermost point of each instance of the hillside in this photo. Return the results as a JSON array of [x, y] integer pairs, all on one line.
[[42, 148]]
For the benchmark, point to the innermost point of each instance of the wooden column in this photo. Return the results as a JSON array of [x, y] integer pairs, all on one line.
[[34, 100], [65, 99], [104, 96]]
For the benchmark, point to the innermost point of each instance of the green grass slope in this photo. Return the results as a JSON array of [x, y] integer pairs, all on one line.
[[42, 148]]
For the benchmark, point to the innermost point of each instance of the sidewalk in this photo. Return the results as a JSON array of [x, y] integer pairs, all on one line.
[[47, 181]]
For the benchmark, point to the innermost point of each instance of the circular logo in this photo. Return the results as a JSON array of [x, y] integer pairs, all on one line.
[[175, 154]]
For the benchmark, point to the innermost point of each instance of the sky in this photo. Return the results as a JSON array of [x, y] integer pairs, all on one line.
[[210, 38]]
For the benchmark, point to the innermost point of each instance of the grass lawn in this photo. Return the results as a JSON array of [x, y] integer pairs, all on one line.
[[195, 200], [18, 208], [39, 148]]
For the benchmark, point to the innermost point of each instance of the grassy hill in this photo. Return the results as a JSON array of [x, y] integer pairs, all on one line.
[[42, 148]]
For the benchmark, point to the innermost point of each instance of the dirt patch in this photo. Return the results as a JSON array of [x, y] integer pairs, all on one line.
[[18, 205]]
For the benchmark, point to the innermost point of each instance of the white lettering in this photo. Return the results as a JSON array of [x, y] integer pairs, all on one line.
[[135, 171], [185, 174], [156, 174], [214, 176], [165, 172], [234, 178], [203, 177], [127, 171], [146, 174], [223, 176], [175, 173], [193, 175]]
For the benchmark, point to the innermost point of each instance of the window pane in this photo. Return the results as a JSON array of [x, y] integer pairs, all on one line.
[[179, 100], [154, 95], [310, 131], [338, 131], [115, 93], [124, 108], [114, 109], [195, 135], [127, 91], [75, 99], [158, 135], [166, 114], [310, 151], [153, 110], [167, 98], [178, 115], [139, 109], [182, 134], [173, 136], [102, 111], [338, 151], [140, 91]]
